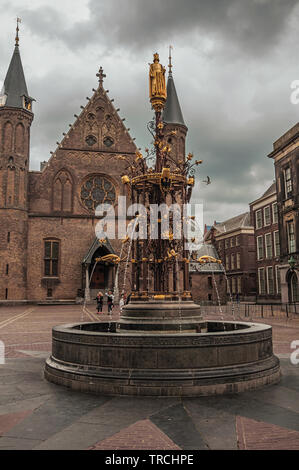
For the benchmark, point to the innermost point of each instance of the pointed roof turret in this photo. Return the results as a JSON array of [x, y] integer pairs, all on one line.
[[14, 92], [172, 113]]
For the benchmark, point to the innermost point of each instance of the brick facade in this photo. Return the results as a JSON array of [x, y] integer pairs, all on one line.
[[264, 218], [285, 155]]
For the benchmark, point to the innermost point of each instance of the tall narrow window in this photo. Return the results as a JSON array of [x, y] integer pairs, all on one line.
[[7, 268], [276, 243], [234, 285], [268, 245], [8, 237], [288, 186], [238, 260], [262, 283], [270, 279], [51, 258], [278, 281], [239, 285], [267, 215], [260, 247], [258, 219], [232, 261], [274, 213], [227, 263], [291, 237]]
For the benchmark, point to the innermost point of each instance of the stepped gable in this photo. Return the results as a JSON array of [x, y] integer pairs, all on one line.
[[92, 145]]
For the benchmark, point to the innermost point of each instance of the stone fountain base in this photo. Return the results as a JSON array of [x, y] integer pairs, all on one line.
[[220, 357]]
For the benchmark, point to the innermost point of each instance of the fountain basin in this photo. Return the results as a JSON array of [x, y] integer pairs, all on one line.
[[222, 357]]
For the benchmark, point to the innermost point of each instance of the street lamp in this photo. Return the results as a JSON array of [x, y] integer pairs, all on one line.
[[292, 263]]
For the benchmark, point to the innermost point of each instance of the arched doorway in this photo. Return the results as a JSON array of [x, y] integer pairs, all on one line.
[[292, 280], [97, 275]]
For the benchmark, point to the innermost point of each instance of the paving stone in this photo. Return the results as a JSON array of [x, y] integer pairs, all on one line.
[[177, 424], [257, 435], [143, 435]]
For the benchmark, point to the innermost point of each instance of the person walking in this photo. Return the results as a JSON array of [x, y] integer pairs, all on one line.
[[99, 299], [122, 302], [110, 300]]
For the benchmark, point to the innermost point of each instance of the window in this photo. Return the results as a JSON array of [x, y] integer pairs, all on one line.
[[278, 281], [238, 240], [288, 182], [232, 242], [267, 215], [260, 247], [227, 263], [234, 285], [268, 245], [232, 261], [7, 268], [270, 279], [291, 237], [226, 243], [210, 284], [8, 237], [239, 285], [228, 288], [258, 219], [276, 243], [262, 284], [238, 260], [6, 294], [51, 257], [274, 213]]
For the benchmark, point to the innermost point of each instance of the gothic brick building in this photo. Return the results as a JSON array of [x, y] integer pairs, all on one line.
[[48, 244]]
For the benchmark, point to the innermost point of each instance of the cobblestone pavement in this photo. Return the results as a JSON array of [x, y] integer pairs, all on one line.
[[35, 414]]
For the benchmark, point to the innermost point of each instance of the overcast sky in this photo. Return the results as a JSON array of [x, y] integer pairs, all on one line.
[[233, 64]]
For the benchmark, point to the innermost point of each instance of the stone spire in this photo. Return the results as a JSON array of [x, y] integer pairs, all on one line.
[[172, 113], [14, 92]]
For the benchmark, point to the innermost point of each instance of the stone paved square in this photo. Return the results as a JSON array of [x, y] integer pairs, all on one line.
[[35, 414]]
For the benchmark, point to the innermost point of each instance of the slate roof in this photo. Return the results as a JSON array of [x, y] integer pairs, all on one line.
[[15, 84], [172, 112], [242, 220]]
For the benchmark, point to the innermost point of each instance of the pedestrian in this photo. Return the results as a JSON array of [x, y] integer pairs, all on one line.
[[110, 300], [121, 302], [99, 299]]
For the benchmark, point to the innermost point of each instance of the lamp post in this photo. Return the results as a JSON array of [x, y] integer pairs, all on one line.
[[292, 263]]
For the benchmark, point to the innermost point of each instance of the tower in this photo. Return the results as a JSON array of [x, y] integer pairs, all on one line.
[[15, 120], [176, 129]]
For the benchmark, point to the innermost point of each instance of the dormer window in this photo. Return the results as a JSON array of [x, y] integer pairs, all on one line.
[[27, 103]]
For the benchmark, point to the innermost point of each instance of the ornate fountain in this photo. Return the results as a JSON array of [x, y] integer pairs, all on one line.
[[161, 346]]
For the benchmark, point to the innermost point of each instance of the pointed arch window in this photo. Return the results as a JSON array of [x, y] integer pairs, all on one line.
[[63, 192]]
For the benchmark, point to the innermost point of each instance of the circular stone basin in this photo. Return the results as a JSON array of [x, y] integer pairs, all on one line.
[[221, 357]]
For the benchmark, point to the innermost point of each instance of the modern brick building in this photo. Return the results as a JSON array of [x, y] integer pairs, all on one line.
[[234, 241], [264, 218], [286, 161]]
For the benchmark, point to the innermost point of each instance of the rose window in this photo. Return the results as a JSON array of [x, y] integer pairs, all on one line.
[[97, 190]]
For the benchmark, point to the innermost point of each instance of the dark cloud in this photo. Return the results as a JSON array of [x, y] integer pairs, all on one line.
[[234, 61], [255, 25]]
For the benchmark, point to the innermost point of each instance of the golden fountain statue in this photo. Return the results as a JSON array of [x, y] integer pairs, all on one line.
[[157, 84]]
